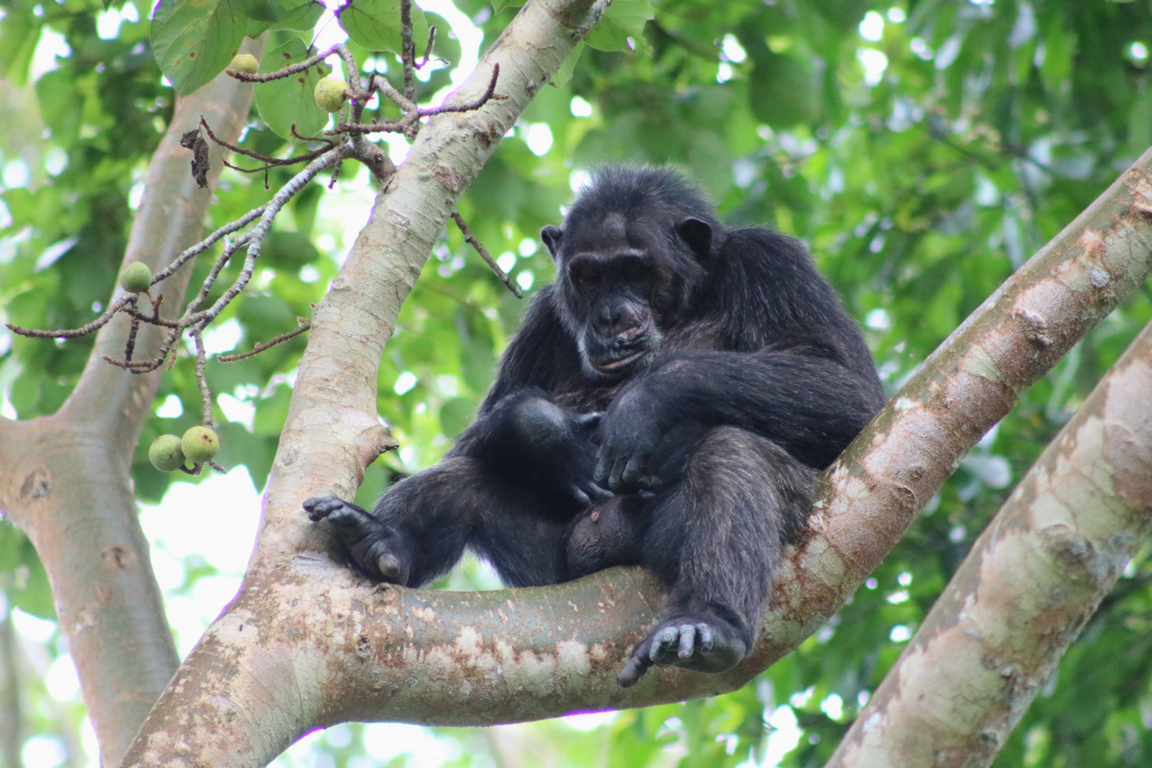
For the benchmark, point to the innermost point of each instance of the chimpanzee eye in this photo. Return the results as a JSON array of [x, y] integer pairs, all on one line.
[[584, 273]]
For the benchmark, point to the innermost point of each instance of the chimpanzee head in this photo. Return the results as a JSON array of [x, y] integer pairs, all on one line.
[[634, 250]]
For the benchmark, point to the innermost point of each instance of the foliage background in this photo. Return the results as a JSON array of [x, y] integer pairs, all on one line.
[[924, 149]]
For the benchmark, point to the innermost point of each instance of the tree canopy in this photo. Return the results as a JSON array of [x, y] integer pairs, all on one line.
[[923, 149]]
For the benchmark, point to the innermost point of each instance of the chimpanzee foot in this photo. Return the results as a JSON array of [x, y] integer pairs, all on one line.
[[700, 642], [374, 546]]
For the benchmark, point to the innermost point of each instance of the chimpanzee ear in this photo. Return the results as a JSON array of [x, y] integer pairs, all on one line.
[[551, 237], [697, 235]]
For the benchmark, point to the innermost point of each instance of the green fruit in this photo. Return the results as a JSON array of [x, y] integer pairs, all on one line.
[[244, 62], [200, 444], [329, 94], [136, 277], [166, 453]]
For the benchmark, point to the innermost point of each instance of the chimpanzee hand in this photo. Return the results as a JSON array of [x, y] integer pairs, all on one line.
[[630, 434], [540, 443]]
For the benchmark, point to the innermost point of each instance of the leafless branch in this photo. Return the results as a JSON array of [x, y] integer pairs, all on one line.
[[304, 326], [471, 238]]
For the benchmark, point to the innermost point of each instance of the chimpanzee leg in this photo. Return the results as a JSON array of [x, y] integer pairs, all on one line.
[[419, 528], [715, 535]]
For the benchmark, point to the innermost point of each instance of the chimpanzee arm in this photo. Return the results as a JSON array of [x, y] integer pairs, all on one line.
[[527, 439], [810, 404], [519, 433]]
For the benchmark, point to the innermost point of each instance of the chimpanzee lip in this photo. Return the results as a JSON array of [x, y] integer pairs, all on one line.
[[613, 366]]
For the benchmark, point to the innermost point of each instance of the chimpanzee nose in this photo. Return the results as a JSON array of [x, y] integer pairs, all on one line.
[[616, 320]]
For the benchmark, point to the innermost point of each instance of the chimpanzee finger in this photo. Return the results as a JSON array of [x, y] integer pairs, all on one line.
[[687, 641], [597, 492], [632, 476], [632, 672]]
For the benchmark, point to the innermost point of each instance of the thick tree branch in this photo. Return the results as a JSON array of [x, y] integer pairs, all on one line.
[[86, 530], [1027, 588], [238, 714]]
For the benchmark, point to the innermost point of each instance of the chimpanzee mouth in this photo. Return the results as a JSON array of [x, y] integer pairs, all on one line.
[[620, 363]]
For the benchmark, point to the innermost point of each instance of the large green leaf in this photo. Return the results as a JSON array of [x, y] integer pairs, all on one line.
[[289, 100], [195, 39], [375, 24], [20, 30], [281, 14], [623, 21]]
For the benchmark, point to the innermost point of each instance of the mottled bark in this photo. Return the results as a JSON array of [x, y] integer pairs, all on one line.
[[1031, 582]]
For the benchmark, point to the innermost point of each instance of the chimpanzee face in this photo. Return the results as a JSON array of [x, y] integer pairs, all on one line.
[[619, 287]]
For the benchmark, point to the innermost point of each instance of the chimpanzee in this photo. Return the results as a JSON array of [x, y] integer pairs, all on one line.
[[668, 402]]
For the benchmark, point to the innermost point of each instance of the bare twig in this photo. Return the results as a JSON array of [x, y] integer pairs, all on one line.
[[69, 333], [470, 237], [202, 380], [288, 71], [407, 49], [304, 326], [208, 242], [489, 95], [133, 329], [411, 118], [268, 160], [428, 49]]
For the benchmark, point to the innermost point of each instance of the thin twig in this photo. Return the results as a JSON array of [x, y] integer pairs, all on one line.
[[470, 237], [69, 333], [202, 380], [268, 160], [209, 241], [288, 71], [409, 120], [133, 329], [428, 50], [305, 325], [489, 95], [407, 49]]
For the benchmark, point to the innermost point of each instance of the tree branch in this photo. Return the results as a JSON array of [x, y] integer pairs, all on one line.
[[236, 714], [1029, 585], [87, 531]]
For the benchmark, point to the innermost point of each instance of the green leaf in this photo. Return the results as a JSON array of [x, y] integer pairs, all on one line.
[[302, 15], [1140, 122], [263, 15], [21, 29], [22, 577], [564, 74], [623, 21], [288, 250], [271, 412], [289, 100], [265, 317], [1059, 50], [194, 40], [264, 10], [781, 90], [375, 24]]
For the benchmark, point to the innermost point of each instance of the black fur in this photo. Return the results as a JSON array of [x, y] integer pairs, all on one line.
[[668, 402]]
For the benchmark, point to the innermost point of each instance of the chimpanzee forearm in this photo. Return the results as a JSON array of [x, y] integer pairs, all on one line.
[[810, 404]]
